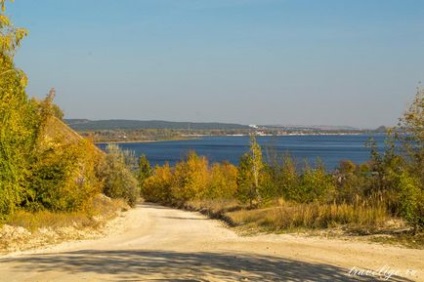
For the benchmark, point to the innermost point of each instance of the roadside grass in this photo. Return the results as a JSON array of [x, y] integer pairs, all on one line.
[[300, 217], [47, 219], [25, 230], [371, 223], [102, 209]]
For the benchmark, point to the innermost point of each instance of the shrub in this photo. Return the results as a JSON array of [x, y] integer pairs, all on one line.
[[157, 187], [119, 180], [63, 178]]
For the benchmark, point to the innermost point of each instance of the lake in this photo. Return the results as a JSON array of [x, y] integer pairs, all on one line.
[[331, 149]]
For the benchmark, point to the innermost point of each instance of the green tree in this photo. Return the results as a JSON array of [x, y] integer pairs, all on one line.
[[15, 119], [119, 181], [288, 178], [411, 200], [351, 181], [316, 185], [250, 172], [144, 171], [411, 126]]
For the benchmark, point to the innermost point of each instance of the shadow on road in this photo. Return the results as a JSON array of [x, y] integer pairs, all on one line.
[[135, 265]]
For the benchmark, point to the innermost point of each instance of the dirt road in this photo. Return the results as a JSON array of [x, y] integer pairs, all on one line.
[[153, 243]]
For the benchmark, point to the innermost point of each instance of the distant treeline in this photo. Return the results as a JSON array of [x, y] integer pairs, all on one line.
[[93, 125]]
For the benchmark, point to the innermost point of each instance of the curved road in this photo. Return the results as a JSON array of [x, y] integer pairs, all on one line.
[[153, 243]]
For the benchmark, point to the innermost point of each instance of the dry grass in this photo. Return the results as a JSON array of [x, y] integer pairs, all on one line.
[[280, 216], [103, 209], [213, 206], [24, 230], [298, 217], [216, 209], [46, 219]]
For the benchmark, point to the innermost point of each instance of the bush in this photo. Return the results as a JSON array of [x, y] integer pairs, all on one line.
[[119, 180], [157, 187], [63, 178]]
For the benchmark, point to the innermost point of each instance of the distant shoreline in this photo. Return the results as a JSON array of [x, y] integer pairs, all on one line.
[[141, 141], [194, 137]]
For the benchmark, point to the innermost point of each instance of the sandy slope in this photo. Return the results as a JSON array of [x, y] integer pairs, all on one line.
[[153, 243]]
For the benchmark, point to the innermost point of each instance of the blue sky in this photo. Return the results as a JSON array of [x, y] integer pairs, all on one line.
[[308, 62]]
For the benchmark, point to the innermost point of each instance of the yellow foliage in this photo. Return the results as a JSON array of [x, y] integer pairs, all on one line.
[[157, 187], [223, 181], [191, 178]]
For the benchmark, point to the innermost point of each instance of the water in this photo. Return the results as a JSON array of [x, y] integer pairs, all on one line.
[[330, 149]]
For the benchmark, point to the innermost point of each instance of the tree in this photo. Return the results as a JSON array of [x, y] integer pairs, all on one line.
[[119, 181], [15, 120], [144, 171], [43, 164], [157, 187], [63, 177], [316, 185], [351, 181], [289, 178], [384, 166], [250, 170], [223, 182], [411, 126], [191, 178]]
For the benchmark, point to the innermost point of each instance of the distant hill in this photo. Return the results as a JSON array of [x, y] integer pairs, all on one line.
[[113, 124]]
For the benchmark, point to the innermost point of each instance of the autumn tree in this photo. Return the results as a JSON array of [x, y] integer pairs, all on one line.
[[15, 120], [157, 187], [191, 178], [223, 182]]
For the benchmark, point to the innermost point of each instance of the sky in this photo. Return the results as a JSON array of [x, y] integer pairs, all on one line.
[[291, 62]]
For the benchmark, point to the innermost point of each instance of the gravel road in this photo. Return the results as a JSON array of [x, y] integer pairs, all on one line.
[[154, 243]]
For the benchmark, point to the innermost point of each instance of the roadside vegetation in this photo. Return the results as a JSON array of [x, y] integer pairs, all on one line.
[[50, 175], [281, 194]]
